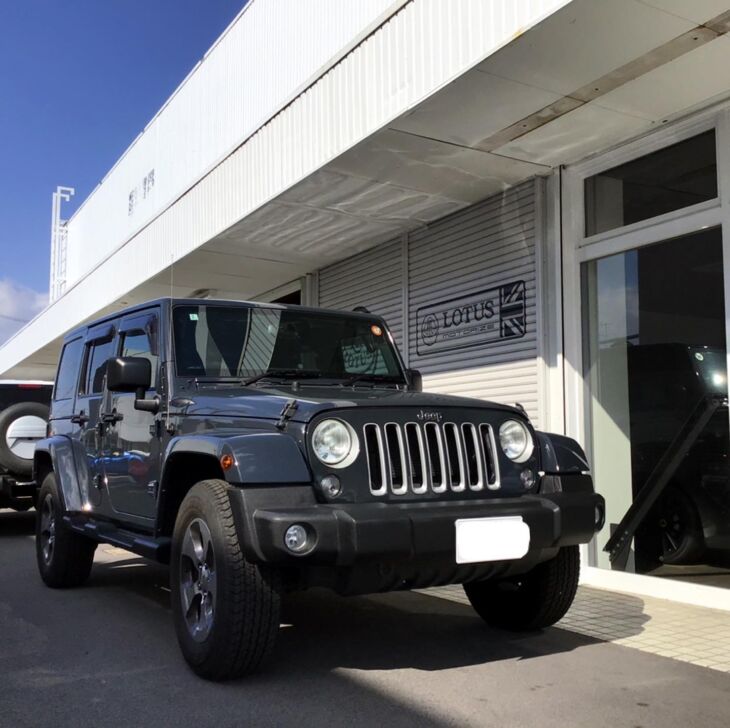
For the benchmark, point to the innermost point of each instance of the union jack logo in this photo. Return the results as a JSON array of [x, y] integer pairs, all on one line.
[[512, 310]]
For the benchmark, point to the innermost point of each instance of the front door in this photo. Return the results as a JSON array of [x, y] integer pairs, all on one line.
[[132, 437]]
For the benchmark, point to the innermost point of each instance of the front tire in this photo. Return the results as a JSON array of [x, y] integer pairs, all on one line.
[[64, 557], [530, 601], [226, 609]]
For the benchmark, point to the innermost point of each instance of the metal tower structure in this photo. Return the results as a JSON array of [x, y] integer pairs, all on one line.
[[59, 238]]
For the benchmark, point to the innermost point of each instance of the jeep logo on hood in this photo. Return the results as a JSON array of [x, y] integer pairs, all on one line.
[[429, 416]]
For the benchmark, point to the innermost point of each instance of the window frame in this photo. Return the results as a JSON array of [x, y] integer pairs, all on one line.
[[142, 323], [102, 334], [77, 368]]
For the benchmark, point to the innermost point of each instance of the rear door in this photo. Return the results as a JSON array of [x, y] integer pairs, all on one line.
[[99, 347]]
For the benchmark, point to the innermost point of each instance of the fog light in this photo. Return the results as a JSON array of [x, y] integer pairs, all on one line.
[[528, 478], [331, 486], [295, 538]]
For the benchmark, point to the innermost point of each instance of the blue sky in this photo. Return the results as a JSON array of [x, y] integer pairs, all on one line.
[[79, 80]]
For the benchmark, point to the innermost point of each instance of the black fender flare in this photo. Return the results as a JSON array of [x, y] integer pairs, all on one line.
[[560, 455], [258, 458], [68, 462]]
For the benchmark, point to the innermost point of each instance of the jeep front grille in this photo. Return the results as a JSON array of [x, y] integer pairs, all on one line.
[[418, 458]]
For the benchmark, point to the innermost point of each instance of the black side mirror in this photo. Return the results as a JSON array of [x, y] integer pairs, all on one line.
[[128, 374], [132, 374], [415, 380]]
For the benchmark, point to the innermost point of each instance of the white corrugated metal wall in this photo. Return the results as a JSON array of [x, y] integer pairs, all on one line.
[[263, 60], [484, 253], [373, 279]]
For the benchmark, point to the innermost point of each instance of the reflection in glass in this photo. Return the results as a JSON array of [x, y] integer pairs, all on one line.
[[677, 176], [655, 359]]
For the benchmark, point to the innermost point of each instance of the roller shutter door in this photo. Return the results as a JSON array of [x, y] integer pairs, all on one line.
[[480, 261], [472, 301], [373, 279]]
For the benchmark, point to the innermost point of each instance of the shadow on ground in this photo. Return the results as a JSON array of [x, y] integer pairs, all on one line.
[[13, 524]]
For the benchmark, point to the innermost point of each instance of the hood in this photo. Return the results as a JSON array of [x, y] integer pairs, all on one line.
[[267, 402]]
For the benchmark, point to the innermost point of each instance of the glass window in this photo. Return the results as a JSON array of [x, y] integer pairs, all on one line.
[[137, 343], [236, 341], [68, 370], [97, 358], [677, 176], [655, 361]]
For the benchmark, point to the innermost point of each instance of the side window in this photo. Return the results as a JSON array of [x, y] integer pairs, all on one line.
[[137, 343], [68, 370], [97, 357]]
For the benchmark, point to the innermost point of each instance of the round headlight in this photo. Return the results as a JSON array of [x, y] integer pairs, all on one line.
[[516, 441], [334, 443]]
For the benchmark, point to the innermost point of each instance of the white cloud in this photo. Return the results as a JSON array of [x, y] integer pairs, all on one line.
[[18, 304]]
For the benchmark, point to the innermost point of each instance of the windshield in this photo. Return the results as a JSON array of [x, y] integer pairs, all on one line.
[[237, 341]]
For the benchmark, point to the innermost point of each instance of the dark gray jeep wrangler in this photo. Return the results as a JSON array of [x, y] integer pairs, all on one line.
[[264, 448]]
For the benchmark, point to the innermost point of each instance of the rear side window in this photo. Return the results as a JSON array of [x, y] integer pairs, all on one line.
[[98, 356], [68, 370]]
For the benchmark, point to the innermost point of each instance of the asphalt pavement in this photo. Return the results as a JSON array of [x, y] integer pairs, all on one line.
[[105, 655]]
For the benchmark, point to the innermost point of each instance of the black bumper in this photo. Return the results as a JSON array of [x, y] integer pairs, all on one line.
[[349, 534]]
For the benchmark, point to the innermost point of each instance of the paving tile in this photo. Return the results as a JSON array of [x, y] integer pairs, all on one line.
[[679, 631]]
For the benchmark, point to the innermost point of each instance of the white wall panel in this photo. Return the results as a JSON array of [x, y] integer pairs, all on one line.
[[373, 279], [267, 55]]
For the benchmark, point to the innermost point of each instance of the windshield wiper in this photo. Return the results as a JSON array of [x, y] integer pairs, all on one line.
[[282, 374]]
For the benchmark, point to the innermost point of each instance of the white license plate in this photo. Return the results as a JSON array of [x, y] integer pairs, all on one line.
[[491, 539]]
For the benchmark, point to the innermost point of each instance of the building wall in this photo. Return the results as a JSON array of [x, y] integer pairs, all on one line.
[[467, 288], [273, 50]]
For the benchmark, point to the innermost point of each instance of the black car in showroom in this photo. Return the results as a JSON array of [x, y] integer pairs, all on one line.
[[669, 385], [261, 448]]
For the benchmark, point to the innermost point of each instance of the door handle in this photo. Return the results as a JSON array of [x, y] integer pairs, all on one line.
[[111, 418], [80, 419]]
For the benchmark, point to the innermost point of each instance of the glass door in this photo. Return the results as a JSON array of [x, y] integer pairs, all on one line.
[[654, 350]]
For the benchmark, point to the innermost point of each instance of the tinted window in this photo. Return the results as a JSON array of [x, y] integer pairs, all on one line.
[[678, 176], [99, 354], [137, 343], [68, 370]]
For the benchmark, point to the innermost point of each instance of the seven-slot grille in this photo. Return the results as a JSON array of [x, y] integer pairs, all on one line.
[[432, 457]]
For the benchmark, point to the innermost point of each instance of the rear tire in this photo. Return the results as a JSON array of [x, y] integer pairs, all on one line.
[[64, 557], [530, 601], [680, 529], [20, 467], [226, 609]]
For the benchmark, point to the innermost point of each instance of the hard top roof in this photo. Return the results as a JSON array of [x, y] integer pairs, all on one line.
[[168, 301]]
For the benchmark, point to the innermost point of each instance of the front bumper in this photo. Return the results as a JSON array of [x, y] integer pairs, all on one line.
[[349, 534]]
